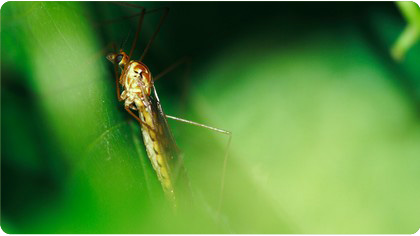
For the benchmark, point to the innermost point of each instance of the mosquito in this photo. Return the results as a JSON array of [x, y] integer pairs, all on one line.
[[139, 96]]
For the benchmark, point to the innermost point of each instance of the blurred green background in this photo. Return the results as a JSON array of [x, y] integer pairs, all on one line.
[[322, 99]]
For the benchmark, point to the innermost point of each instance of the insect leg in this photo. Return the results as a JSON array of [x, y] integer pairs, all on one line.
[[162, 19], [199, 125], [182, 61], [116, 76], [116, 73], [141, 15], [116, 20], [117, 80], [138, 118], [222, 184], [136, 36]]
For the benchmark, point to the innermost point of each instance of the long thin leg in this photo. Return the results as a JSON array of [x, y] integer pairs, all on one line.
[[138, 118], [222, 184], [199, 125], [184, 60], [136, 36], [115, 20], [162, 18], [117, 84], [117, 78], [139, 25], [102, 53], [143, 12]]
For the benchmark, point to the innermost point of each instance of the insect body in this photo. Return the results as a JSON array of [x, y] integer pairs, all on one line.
[[139, 94]]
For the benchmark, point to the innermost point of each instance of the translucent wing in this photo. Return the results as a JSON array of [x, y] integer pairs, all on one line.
[[172, 152]]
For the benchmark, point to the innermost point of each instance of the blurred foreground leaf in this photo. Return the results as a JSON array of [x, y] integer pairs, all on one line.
[[411, 34]]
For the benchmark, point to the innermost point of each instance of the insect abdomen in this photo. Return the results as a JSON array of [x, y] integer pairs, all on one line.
[[157, 156]]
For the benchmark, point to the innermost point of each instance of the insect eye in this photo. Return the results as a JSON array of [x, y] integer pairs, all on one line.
[[118, 58]]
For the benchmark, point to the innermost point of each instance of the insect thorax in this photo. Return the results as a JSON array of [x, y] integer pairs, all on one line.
[[137, 82]]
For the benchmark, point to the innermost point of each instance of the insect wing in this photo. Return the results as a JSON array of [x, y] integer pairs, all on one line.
[[175, 157]]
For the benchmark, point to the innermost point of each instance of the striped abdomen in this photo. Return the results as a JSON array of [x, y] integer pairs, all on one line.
[[156, 152]]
